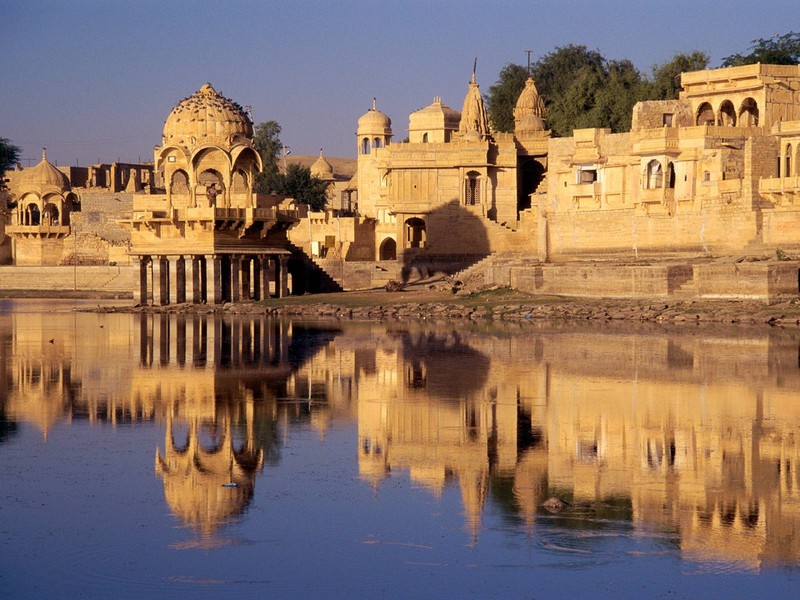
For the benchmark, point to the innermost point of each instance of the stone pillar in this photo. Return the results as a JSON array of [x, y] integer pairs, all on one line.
[[256, 266], [247, 262], [214, 279], [192, 280], [177, 280], [264, 277], [281, 277], [140, 292], [160, 280], [236, 277]]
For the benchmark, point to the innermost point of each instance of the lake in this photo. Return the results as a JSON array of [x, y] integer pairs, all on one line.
[[165, 456]]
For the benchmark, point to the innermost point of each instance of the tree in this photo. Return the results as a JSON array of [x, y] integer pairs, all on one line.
[[777, 50], [298, 183], [267, 143], [503, 95], [665, 83], [9, 156]]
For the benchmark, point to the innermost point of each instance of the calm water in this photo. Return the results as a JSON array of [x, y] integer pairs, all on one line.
[[188, 457]]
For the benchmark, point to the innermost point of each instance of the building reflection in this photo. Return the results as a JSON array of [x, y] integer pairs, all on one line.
[[681, 432], [692, 433]]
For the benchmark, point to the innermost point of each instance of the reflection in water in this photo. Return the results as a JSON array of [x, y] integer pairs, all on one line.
[[681, 432]]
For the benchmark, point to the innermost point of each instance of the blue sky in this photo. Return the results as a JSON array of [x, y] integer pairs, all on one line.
[[95, 79]]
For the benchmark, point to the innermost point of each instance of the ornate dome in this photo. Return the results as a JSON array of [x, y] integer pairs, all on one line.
[[322, 169], [44, 175], [207, 117], [530, 111], [374, 121]]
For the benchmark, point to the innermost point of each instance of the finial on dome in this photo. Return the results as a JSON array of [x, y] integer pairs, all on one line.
[[374, 103], [44, 153], [474, 69], [207, 89], [320, 151]]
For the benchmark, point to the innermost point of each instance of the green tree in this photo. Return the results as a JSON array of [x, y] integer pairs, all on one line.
[[614, 98], [267, 143], [665, 83], [298, 183], [9, 156], [503, 95], [776, 50]]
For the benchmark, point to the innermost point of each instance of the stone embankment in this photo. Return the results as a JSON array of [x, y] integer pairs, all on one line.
[[502, 305]]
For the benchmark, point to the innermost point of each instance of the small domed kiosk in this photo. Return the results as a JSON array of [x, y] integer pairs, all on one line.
[[209, 237], [40, 220]]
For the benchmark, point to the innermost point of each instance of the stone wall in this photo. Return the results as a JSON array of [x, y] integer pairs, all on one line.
[[605, 281], [104, 281]]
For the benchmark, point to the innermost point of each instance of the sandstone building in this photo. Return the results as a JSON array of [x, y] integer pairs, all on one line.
[[708, 176]]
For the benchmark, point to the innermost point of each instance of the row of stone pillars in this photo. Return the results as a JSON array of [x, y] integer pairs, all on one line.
[[211, 279]]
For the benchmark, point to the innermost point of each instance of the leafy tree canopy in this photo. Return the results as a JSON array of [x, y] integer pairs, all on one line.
[[666, 79], [268, 144], [298, 183], [9, 156], [581, 88], [776, 50]]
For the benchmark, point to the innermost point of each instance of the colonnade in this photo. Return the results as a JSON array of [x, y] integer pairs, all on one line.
[[202, 341], [212, 279]]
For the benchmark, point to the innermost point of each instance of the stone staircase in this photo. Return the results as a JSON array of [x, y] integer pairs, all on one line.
[[318, 278]]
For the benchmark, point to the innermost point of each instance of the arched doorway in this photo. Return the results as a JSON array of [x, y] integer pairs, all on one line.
[[531, 174], [388, 250]]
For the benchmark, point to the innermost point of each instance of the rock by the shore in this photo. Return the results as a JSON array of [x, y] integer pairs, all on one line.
[[380, 306]]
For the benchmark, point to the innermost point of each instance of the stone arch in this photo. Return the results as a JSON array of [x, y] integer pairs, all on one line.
[[240, 179], [653, 175], [415, 233], [787, 161], [377, 143], [748, 113], [425, 138], [179, 182], [726, 116], [32, 214], [365, 146], [50, 214], [705, 115], [388, 249], [472, 188]]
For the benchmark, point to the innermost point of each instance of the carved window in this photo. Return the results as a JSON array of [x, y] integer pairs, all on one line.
[[671, 175], [587, 175], [666, 119], [787, 162], [472, 189], [377, 143], [365, 146], [654, 175], [425, 138]]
